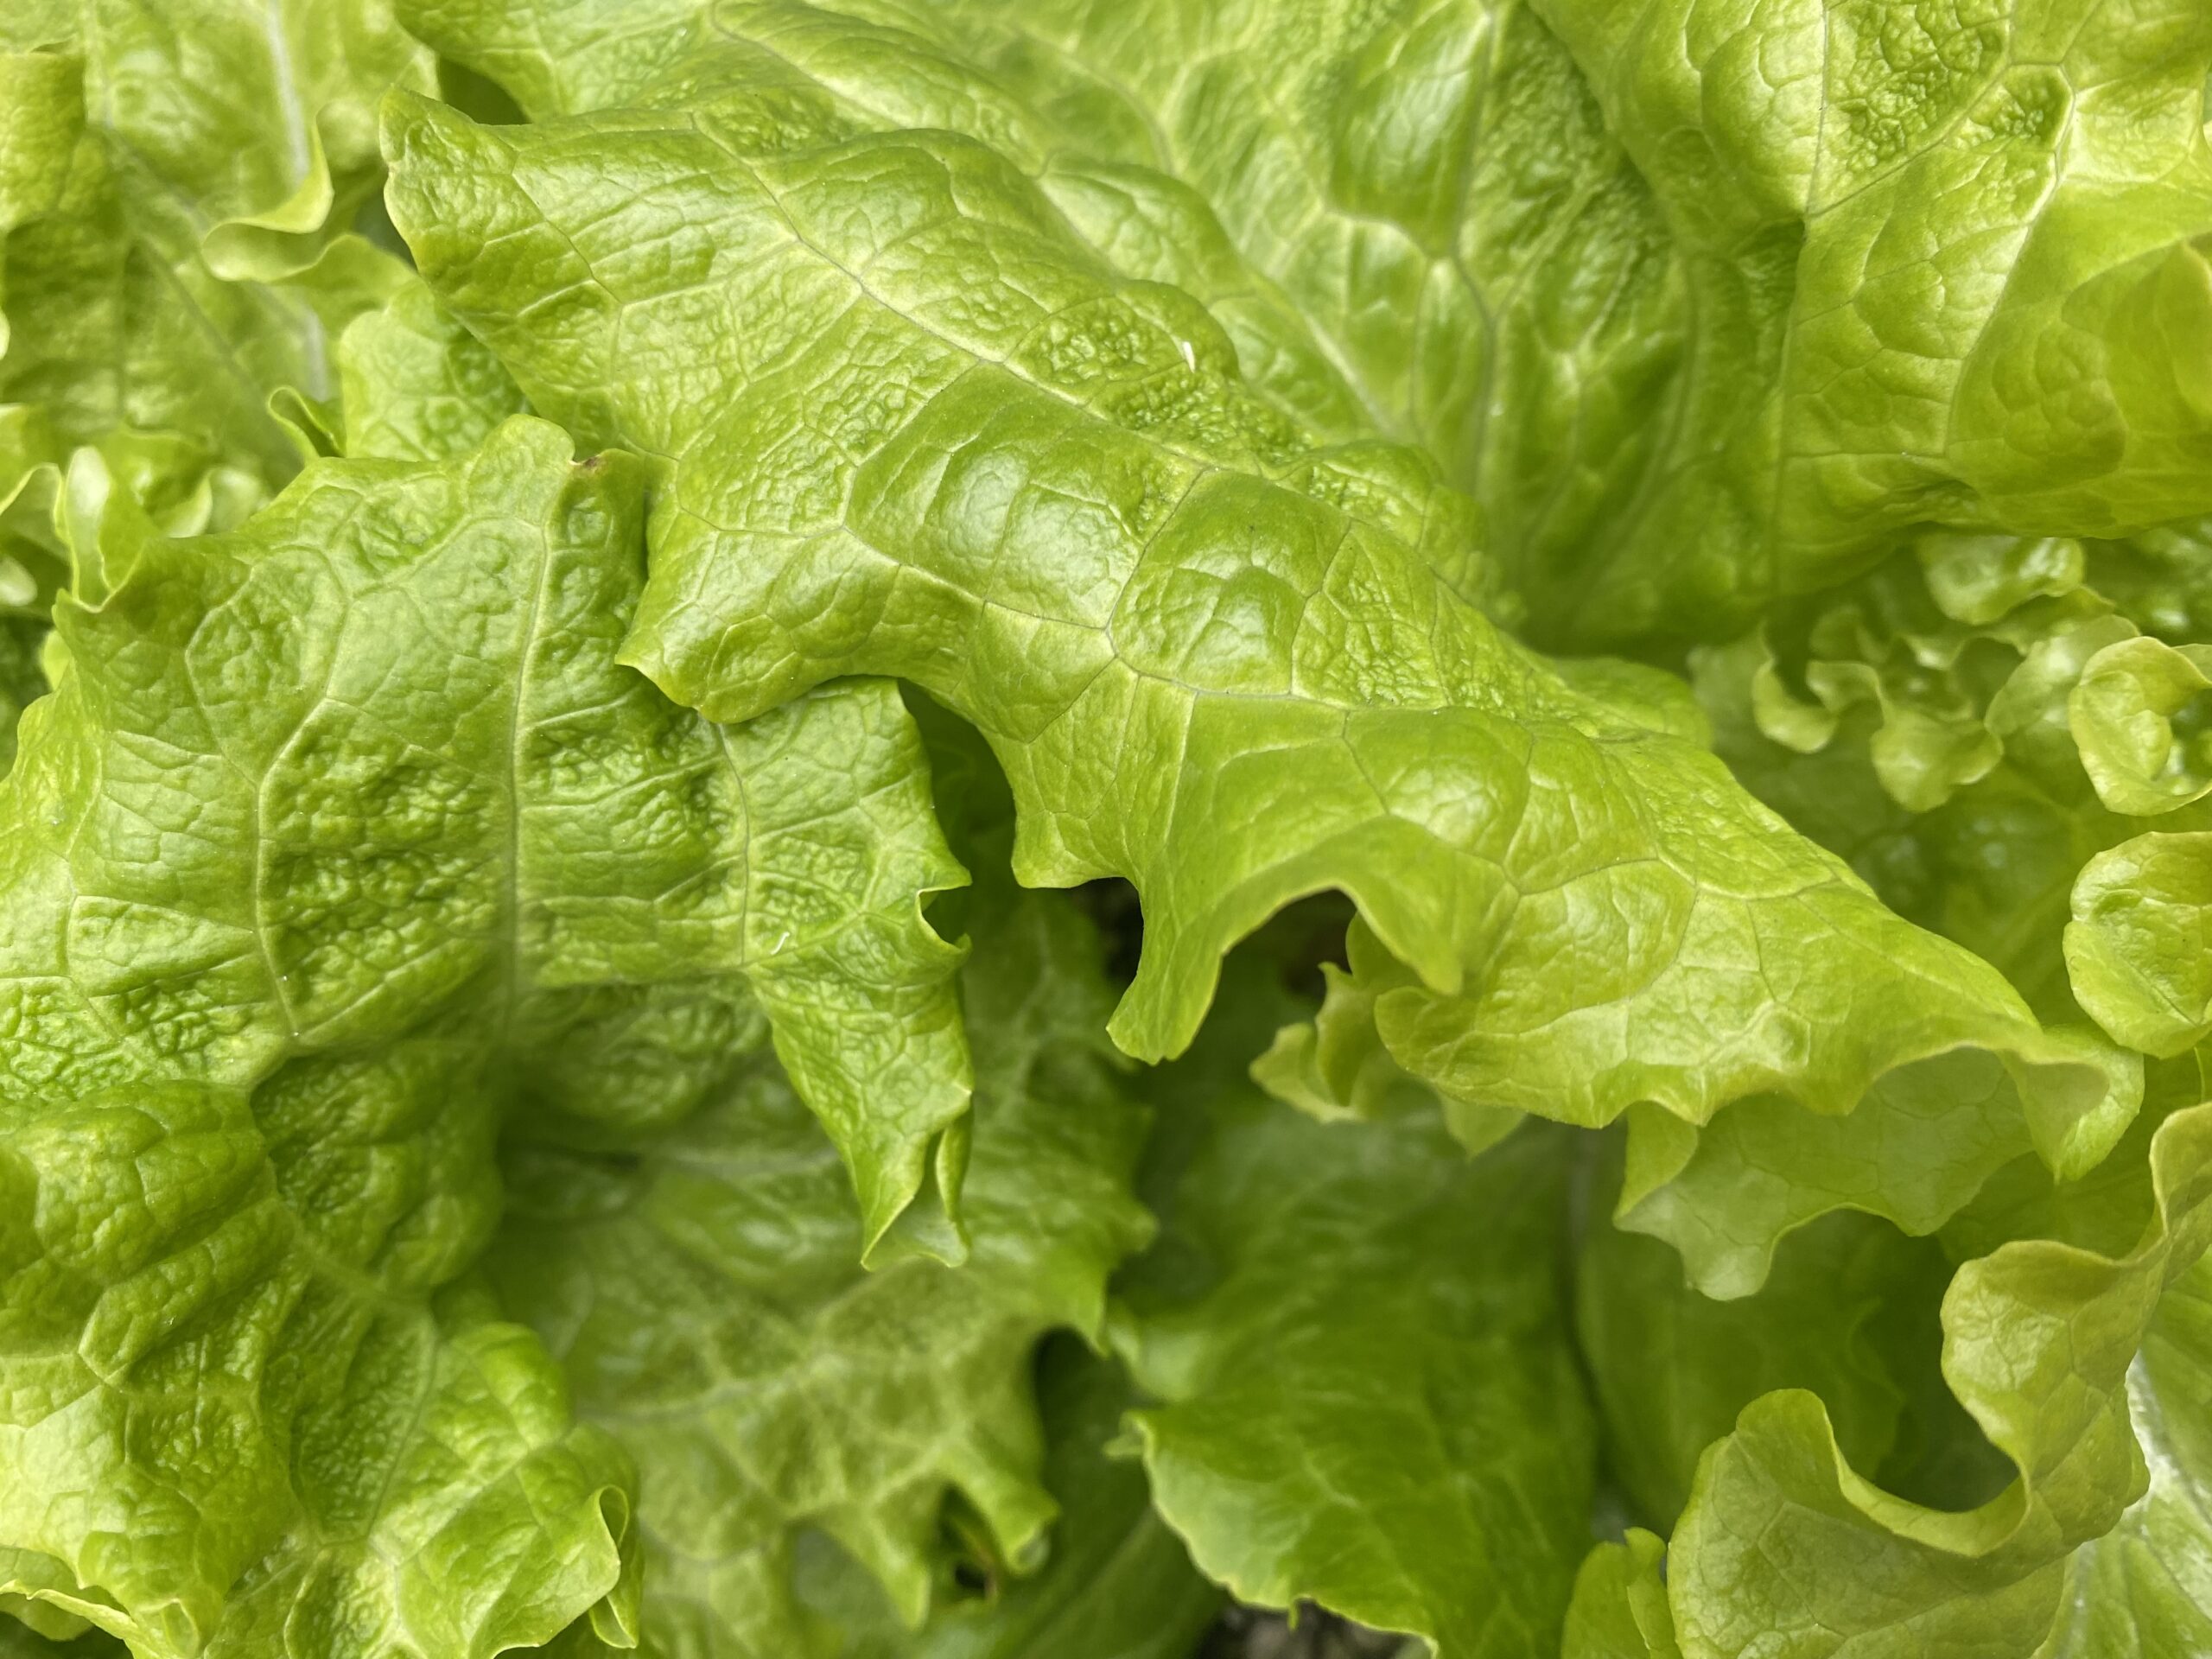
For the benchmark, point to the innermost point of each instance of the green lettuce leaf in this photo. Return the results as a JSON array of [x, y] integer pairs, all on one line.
[[701, 1286], [1409, 182], [1398, 297], [179, 243], [562, 57], [1620, 1603], [2069, 670], [1369, 1397], [21, 683], [415, 386], [24, 1640], [1970, 724], [1117, 1584], [307, 873], [1956, 254], [2140, 1590], [1783, 1541], [1849, 1314], [485, 1149], [1206, 646], [1690, 345], [41, 118], [2135, 947]]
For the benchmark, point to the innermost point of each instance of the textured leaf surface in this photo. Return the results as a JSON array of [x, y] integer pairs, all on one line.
[[1446, 244], [1690, 340], [702, 1287], [307, 867], [1959, 249], [1117, 1584], [414, 386], [1203, 644], [191, 251], [1209, 403]]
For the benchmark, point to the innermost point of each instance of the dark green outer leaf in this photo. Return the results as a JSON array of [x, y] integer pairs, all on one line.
[[1368, 1396]]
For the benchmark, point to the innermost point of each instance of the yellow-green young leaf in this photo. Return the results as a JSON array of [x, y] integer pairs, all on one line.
[[1619, 1610], [1784, 1542], [179, 246], [701, 1285], [310, 869], [2139, 712], [249, 127], [1918, 1145], [2136, 948], [1205, 645], [2140, 1590], [1367, 1394], [414, 386], [1850, 711]]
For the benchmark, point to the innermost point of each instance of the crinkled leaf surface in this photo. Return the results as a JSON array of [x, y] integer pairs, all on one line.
[[1204, 642], [415, 386], [1117, 1584], [2073, 858], [1958, 248], [1186, 392], [1445, 242], [1693, 337], [191, 255], [307, 868], [178, 244], [702, 1287]]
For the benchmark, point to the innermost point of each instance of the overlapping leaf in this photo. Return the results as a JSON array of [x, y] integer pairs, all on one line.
[[1367, 1395], [414, 386], [1783, 1541], [309, 865], [179, 191], [908, 423], [703, 1287], [1186, 394], [1117, 1584], [1692, 337], [1850, 1314], [2140, 1590]]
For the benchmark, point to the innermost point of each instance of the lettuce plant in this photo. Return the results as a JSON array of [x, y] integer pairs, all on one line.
[[987, 828]]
